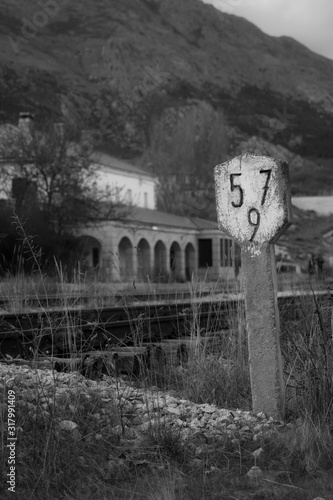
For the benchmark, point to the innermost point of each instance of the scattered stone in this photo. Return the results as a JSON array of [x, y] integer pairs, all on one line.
[[255, 473], [196, 463], [261, 415], [173, 410], [67, 425], [127, 412], [257, 453]]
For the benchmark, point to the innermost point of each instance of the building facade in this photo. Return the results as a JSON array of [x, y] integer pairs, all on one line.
[[148, 244], [127, 183], [156, 246]]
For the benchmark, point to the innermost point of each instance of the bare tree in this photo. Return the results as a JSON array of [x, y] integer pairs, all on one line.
[[182, 153], [52, 186], [46, 168]]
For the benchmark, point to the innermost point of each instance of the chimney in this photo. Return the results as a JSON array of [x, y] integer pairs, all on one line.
[[26, 122]]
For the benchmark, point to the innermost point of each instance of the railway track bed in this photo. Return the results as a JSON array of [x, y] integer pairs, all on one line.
[[58, 333]]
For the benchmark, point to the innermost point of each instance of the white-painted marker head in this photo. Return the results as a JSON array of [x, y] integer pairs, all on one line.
[[253, 199]]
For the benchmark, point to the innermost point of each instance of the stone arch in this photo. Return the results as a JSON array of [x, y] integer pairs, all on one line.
[[175, 260], [160, 260], [189, 261], [125, 254], [91, 253], [143, 253]]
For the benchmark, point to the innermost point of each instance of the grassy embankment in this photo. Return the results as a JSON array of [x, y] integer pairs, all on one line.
[[94, 461]]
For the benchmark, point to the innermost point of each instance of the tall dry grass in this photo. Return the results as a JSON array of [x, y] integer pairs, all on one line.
[[89, 463]]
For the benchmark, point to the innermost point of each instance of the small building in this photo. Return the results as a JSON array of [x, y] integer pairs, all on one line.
[[157, 246], [147, 244]]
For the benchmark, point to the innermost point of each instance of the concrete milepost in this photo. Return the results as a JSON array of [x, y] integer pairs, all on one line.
[[254, 208]]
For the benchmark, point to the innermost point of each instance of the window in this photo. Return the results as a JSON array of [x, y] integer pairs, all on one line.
[[95, 256], [129, 195], [238, 256], [225, 253], [205, 253], [145, 195]]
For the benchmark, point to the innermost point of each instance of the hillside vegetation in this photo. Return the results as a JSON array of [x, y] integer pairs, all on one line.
[[118, 67]]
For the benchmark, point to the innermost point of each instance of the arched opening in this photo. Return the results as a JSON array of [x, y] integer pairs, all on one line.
[[175, 260], [125, 252], [91, 252], [160, 260], [143, 251], [189, 261]]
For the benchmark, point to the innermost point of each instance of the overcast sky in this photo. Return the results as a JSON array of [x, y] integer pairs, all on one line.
[[308, 21]]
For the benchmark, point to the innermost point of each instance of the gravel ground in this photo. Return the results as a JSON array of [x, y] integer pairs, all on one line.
[[140, 408]]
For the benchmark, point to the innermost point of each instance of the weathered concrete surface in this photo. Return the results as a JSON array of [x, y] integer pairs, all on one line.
[[254, 207], [263, 328], [241, 187]]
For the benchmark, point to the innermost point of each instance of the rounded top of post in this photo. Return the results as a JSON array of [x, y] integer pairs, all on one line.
[[253, 198]]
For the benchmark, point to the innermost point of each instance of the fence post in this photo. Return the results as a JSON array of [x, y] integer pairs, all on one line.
[[254, 208]]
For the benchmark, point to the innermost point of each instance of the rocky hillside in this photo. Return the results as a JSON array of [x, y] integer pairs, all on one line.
[[116, 66]]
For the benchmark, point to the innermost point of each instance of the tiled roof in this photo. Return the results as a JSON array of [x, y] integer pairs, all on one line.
[[322, 205], [156, 218], [205, 224], [112, 162]]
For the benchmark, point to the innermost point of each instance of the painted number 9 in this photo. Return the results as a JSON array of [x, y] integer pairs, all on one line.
[[253, 215]]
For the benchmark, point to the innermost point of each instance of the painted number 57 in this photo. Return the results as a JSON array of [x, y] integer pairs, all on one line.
[[253, 214]]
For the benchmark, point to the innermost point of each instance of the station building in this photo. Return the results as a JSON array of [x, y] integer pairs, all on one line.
[[148, 244]]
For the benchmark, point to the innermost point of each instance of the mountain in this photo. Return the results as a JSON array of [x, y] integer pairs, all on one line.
[[115, 66]]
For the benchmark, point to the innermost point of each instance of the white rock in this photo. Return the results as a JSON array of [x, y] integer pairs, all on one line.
[[170, 400], [172, 410], [255, 472], [196, 463], [261, 415], [257, 453], [130, 433], [195, 423], [209, 409], [117, 429], [67, 425]]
